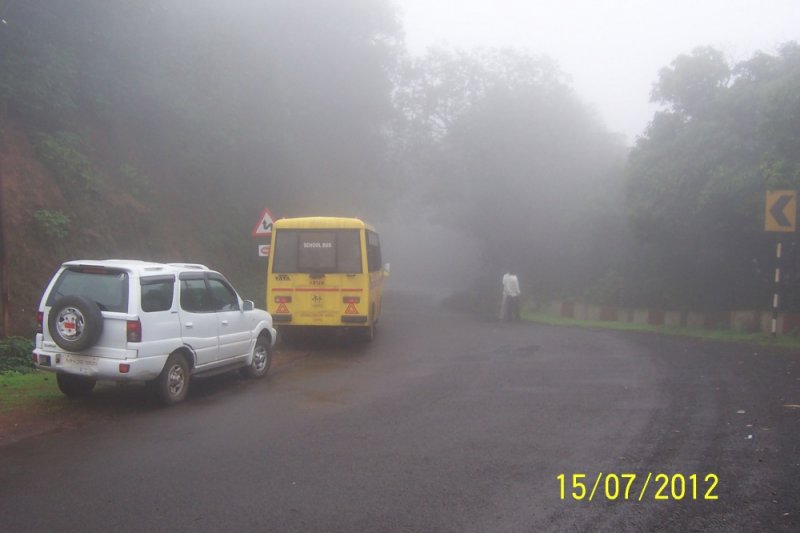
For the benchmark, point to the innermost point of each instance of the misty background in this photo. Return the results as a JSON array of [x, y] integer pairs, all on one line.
[[159, 130]]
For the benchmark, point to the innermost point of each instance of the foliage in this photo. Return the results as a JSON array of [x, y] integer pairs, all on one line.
[[64, 153], [504, 150], [696, 180], [38, 78], [15, 355], [134, 180], [692, 84], [52, 223]]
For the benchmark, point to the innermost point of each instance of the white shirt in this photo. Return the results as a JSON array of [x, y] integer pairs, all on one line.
[[510, 285]]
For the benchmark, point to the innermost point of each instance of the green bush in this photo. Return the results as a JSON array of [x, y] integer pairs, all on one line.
[[606, 290], [52, 223], [64, 154], [137, 182], [15, 355]]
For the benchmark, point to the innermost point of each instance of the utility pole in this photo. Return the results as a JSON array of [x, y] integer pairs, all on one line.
[[4, 283], [4, 278]]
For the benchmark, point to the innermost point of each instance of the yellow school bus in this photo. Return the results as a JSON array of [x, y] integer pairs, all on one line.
[[325, 271]]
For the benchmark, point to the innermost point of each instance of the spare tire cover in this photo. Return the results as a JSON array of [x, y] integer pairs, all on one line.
[[75, 323]]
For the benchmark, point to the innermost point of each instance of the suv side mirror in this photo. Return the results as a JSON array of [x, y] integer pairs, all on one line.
[[248, 305], [386, 269]]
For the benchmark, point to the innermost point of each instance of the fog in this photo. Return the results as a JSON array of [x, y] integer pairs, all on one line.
[[613, 50], [510, 148]]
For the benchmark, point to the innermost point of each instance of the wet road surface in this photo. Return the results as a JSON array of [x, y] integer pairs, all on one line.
[[446, 422]]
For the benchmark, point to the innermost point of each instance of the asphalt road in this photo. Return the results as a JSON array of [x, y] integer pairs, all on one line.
[[446, 422]]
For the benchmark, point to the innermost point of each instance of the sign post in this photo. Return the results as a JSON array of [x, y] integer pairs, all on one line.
[[780, 215], [263, 229]]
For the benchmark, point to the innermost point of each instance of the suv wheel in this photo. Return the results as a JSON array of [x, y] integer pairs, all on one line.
[[172, 384], [75, 323], [72, 385], [262, 359]]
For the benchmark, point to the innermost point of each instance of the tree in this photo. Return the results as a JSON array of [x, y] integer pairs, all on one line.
[[696, 180], [692, 83], [507, 153]]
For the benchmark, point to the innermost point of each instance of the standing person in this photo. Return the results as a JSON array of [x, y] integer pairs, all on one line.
[[511, 294]]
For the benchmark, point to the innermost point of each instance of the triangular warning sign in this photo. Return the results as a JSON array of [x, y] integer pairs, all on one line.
[[282, 308], [351, 309], [263, 227]]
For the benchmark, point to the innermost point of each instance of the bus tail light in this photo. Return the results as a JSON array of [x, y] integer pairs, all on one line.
[[39, 322], [283, 299], [351, 299]]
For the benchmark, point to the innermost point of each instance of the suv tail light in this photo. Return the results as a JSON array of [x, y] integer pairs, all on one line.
[[39, 322], [134, 330]]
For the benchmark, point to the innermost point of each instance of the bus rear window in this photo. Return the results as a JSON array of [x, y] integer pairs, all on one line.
[[317, 251]]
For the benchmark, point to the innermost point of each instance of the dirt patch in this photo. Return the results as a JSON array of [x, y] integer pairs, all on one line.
[[38, 419], [62, 414]]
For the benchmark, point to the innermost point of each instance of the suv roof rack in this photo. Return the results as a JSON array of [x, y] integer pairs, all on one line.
[[196, 266]]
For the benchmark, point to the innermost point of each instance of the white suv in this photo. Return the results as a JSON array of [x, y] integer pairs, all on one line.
[[159, 323]]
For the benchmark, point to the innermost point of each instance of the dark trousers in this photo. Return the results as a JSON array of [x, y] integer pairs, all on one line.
[[512, 308]]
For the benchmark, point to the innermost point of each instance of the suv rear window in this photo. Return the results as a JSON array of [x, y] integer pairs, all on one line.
[[108, 288]]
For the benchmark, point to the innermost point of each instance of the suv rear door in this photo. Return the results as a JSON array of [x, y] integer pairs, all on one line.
[[108, 289]]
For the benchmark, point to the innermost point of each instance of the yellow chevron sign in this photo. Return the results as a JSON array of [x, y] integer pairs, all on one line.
[[781, 211]]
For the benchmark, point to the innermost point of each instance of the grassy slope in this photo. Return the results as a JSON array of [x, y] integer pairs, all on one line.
[[783, 341], [18, 390]]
